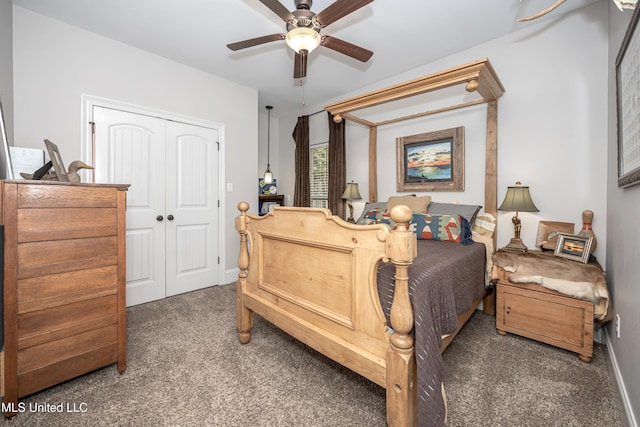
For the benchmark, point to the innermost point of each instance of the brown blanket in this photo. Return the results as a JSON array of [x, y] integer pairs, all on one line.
[[582, 281], [444, 281]]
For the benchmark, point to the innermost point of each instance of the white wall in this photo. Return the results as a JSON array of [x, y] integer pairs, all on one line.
[[623, 246], [6, 66], [551, 124], [55, 63]]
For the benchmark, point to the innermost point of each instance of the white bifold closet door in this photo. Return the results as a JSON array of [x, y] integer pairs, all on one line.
[[172, 203]]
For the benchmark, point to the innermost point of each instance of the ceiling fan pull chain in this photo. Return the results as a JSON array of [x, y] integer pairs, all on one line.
[[302, 86]]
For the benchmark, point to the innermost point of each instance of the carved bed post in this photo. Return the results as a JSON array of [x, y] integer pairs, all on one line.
[[401, 362], [244, 317]]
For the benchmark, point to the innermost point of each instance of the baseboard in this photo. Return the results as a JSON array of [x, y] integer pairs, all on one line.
[[231, 275], [621, 387]]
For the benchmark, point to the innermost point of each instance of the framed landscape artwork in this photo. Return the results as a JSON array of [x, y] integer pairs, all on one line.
[[432, 161]]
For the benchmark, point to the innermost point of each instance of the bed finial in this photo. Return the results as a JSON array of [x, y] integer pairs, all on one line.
[[401, 214], [244, 317], [401, 249], [472, 85]]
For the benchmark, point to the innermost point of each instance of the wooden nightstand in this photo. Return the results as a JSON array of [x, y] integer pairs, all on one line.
[[263, 199], [535, 312]]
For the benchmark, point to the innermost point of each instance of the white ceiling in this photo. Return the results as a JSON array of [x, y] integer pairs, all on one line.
[[403, 34]]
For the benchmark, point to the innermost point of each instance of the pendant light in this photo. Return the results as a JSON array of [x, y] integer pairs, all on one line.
[[268, 175]]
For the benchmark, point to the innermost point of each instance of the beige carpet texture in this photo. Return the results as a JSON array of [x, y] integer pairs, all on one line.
[[186, 367]]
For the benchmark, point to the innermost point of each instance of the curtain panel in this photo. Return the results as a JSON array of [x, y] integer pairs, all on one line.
[[337, 167], [302, 189]]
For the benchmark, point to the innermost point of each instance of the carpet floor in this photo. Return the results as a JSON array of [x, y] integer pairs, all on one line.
[[186, 367]]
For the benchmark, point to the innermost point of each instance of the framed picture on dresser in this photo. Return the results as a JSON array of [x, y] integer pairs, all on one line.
[[56, 159], [574, 247], [548, 232]]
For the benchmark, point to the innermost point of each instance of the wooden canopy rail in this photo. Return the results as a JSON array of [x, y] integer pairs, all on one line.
[[478, 76]]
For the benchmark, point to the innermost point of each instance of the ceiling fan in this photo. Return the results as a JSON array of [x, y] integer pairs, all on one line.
[[303, 31]]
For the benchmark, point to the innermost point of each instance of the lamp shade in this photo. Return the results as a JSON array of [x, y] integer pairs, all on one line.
[[303, 38], [351, 192], [518, 199], [268, 176]]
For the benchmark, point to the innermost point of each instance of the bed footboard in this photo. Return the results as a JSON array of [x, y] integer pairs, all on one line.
[[314, 276]]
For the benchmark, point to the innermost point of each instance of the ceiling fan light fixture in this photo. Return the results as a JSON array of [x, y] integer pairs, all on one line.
[[302, 38]]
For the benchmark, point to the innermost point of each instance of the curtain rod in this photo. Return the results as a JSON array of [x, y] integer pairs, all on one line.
[[317, 112]]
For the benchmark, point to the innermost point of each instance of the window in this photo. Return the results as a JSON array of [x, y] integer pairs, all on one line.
[[319, 175]]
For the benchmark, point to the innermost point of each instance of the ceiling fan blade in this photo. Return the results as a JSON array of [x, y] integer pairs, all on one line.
[[338, 9], [256, 41], [346, 48], [277, 8], [300, 65]]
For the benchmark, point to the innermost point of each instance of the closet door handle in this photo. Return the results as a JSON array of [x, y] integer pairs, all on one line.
[[159, 218], [170, 217]]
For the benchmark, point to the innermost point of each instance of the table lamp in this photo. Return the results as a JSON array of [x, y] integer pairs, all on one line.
[[517, 199], [351, 193]]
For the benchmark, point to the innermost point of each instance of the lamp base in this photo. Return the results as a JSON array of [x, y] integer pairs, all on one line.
[[350, 219], [515, 245]]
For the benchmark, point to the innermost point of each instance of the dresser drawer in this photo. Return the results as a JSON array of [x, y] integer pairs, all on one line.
[[41, 292], [65, 196], [64, 223], [38, 327], [60, 256]]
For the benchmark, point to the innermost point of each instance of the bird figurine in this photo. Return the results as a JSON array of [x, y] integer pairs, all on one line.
[[74, 167], [43, 173], [50, 175]]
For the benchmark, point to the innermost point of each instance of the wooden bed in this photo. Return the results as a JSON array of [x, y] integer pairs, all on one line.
[[314, 275]]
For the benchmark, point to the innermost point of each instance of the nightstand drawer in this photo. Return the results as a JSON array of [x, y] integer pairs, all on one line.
[[538, 313]]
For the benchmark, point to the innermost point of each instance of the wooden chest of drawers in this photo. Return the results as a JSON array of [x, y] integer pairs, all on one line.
[[64, 282], [535, 312]]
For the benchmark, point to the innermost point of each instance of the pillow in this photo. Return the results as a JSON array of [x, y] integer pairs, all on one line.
[[372, 216], [370, 206], [484, 224], [416, 204], [469, 212], [448, 228]]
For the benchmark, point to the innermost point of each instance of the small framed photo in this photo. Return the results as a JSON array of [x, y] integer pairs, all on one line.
[[574, 247], [56, 159]]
